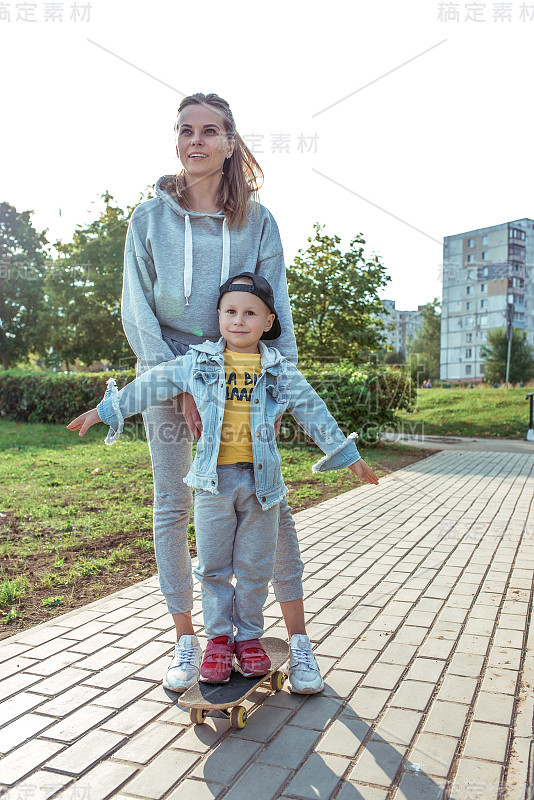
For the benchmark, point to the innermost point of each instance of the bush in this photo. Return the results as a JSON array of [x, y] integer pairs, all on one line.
[[364, 399], [45, 397]]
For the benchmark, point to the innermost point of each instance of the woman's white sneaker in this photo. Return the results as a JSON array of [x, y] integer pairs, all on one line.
[[184, 668], [303, 670]]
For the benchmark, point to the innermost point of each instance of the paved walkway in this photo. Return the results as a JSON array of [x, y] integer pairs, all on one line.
[[419, 596]]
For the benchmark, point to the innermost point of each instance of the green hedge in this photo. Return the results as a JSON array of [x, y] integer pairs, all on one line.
[[46, 397], [361, 399]]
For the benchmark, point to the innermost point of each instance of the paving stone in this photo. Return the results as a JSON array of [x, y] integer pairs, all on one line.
[[150, 652], [409, 634], [85, 753], [377, 763], [497, 708], [397, 726], [11, 649], [102, 659], [196, 790], [367, 703], [40, 635], [15, 683], [457, 689], [77, 724], [144, 746], [24, 728], [358, 659], [39, 785], [317, 777], [132, 718], [103, 781], [61, 681], [123, 694], [413, 694], [434, 753], [477, 780], [93, 643], [447, 718], [14, 665], [201, 738], [110, 676], [466, 664], [18, 705], [85, 631], [290, 746], [260, 781], [225, 762], [334, 646], [53, 663], [415, 786], [383, 676], [426, 669], [499, 680], [316, 712], [357, 791], [505, 657], [396, 653], [25, 759], [344, 737], [264, 723], [68, 701], [486, 741]]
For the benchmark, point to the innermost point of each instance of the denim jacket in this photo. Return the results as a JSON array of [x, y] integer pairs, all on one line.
[[280, 387]]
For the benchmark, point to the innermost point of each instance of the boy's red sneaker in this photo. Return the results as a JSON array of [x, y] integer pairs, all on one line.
[[252, 657], [217, 662]]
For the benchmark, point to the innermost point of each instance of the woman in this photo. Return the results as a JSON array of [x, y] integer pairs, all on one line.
[[203, 227]]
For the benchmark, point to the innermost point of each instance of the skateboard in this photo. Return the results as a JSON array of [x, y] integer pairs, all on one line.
[[226, 697]]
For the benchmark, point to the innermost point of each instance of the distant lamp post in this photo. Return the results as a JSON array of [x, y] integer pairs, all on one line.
[[509, 332]]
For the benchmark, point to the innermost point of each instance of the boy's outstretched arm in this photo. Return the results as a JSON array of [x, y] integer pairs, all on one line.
[[84, 422], [363, 471]]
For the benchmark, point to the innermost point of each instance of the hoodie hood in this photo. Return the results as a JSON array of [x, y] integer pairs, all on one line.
[[188, 238]]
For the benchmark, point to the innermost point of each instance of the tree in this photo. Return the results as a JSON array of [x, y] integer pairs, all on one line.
[[495, 354], [425, 346], [83, 288], [22, 256], [334, 298]]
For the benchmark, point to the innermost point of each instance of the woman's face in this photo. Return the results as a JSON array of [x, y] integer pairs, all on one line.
[[202, 142]]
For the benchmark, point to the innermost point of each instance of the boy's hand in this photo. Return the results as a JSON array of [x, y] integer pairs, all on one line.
[[191, 415], [84, 422], [363, 471]]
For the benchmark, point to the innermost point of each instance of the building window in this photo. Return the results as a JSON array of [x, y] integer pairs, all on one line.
[[517, 233], [470, 274], [484, 255], [483, 321], [520, 299], [484, 239], [468, 337], [468, 306], [483, 303], [470, 258], [469, 322], [483, 287], [468, 369], [483, 336], [468, 352], [468, 290], [470, 242]]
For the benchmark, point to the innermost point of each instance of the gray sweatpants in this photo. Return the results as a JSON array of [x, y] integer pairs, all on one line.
[[170, 445], [235, 537]]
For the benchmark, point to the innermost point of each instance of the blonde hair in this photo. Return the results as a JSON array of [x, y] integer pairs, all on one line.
[[242, 176]]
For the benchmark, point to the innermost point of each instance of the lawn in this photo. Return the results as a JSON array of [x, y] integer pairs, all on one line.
[[479, 412], [76, 516]]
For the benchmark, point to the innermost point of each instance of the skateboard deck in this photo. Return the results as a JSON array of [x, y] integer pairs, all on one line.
[[203, 697]]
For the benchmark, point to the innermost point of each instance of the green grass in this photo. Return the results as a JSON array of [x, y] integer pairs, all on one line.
[[479, 412]]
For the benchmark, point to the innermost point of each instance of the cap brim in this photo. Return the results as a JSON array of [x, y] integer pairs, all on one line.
[[274, 332]]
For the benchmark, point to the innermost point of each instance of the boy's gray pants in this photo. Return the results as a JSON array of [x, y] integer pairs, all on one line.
[[235, 537], [170, 443]]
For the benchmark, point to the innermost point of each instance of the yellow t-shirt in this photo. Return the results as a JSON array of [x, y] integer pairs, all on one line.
[[242, 370]]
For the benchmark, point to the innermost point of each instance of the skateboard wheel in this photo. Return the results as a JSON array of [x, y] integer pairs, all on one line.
[[197, 715], [276, 681], [238, 717]]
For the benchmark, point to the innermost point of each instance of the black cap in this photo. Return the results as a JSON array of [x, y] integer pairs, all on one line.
[[262, 289]]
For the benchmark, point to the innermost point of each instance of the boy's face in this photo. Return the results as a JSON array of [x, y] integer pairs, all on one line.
[[243, 318]]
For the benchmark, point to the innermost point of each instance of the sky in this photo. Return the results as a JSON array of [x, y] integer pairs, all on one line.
[[403, 121]]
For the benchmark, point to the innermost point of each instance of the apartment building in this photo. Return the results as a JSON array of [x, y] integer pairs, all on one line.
[[401, 326], [487, 275]]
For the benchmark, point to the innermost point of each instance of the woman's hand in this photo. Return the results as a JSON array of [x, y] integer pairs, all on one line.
[[84, 422], [191, 415], [363, 471]]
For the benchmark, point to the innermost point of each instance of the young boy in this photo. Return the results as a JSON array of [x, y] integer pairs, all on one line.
[[241, 388]]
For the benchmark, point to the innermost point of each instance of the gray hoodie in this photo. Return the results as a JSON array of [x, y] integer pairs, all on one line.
[[174, 263]]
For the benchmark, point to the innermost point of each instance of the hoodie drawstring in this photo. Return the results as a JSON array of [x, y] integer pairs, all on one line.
[[188, 257], [188, 260]]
